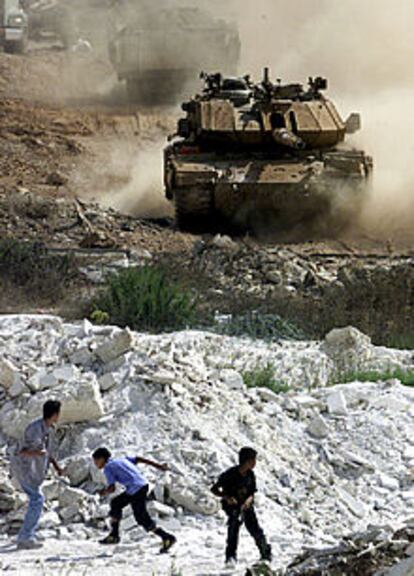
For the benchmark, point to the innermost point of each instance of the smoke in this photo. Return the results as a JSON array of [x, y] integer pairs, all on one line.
[[365, 49]]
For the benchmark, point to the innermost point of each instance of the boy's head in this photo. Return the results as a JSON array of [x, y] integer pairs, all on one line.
[[51, 411], [247, 458], [101, 457]]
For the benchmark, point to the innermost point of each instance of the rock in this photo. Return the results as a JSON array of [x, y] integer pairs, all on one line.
[[389, 482], [404, 568], [17, 389], [118, 345], [409, 453], [318, 428], [225, 243], [69, 513], [161, 509], [348, 348], [70, 496], [232, 379], [190, 501], [49, 519], [337, 403], [9, 374], [106, 382], [77, 469], [56, 179], [81, 403], [356, 507], [274, 277]]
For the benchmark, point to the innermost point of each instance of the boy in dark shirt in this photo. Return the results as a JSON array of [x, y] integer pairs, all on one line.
[[124, 471], [236, 488]]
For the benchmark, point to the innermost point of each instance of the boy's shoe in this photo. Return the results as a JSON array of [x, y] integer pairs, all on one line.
[[29, 545], [167, 543], [110, 539]]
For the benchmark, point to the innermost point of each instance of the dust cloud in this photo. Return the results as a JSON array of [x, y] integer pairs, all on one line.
[[142, 193], [366, 50]]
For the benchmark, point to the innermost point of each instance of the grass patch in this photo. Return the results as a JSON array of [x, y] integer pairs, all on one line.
[[264, 377], [144, 299], [258, 325], [406, 377], [30, 267], [401, 342]]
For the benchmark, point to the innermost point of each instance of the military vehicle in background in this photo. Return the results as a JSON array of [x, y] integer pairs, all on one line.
[[51, 19], [13, 26], [267, 155], [158, 49]]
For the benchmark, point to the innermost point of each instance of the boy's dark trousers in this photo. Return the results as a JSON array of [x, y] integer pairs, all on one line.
[[138, 503], [236, 517]]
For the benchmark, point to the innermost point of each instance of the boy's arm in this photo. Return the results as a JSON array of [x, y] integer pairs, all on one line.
[[218, 490], [105, 491], [56, 466], [140, 460]]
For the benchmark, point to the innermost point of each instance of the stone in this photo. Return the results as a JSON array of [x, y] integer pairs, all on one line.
[[81, 403], [190, 501], [161, 509], [106, 382], [348, 348], [77, 469], [354, 505], [232, 379], [116, 346], [403, 568], [337, 405], [49, 519], [9, 374], [17, 389], [389, 482], [69, 513], [225, 243], [409, 453], [70, 496], [318, 428]]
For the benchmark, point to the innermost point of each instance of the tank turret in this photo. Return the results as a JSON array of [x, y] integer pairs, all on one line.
[[243, 148]]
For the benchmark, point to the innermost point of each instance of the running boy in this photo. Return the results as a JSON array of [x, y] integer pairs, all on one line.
[[236, 488], [125, 472]]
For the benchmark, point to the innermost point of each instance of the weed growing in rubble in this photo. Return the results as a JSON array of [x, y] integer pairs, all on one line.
[[264, 377], [30, 266], [401, 342], [257, 325], [145, 299], [406, 377]]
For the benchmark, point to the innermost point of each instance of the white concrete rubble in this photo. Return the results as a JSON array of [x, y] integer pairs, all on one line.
[[332, 459]]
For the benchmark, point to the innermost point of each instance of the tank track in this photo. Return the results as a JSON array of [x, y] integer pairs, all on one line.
[[194, 209]]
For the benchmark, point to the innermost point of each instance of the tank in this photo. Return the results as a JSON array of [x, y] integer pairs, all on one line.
[[264, 156], [159, 48]]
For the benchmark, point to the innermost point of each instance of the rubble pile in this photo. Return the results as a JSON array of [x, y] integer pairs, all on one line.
[[333, 460]]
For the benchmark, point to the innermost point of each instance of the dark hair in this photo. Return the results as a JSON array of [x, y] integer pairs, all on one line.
[[50, 408], [247, 454], [101, 453]]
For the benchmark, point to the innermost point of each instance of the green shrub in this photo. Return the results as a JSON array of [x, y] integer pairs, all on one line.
[[257, 325], [29, 265], [263, 377], [401, 342], [406, 377], [144, 299]]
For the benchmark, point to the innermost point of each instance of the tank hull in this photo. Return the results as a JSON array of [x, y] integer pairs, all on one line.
[[253, 193]]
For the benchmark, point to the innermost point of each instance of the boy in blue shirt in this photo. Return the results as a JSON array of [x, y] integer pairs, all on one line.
[[124, 471]]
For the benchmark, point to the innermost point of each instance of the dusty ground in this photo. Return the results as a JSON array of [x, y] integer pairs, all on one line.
[[68, 133]]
